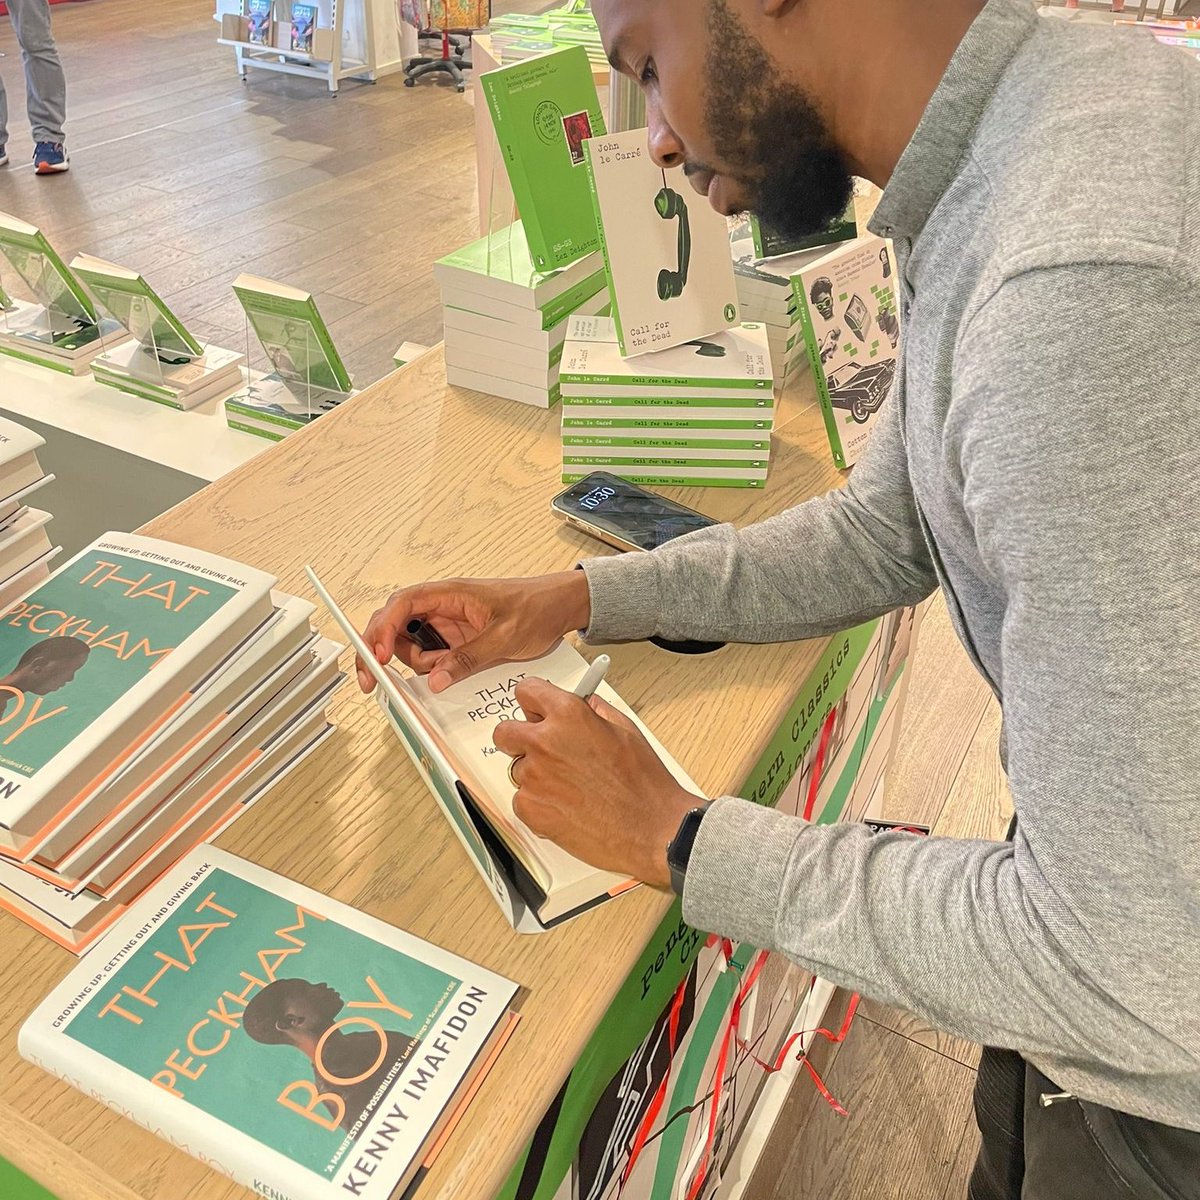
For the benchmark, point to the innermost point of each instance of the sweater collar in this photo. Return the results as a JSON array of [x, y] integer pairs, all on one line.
[[942, 138]]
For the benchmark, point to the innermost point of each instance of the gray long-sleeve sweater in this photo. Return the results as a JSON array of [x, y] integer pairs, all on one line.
[[1039, 460]]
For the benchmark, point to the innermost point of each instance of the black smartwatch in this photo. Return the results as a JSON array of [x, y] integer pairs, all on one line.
[[679, 848]]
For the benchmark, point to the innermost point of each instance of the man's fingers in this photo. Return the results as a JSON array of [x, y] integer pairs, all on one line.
[[614, 716], [514, 738], [462, 663], [539, 698]]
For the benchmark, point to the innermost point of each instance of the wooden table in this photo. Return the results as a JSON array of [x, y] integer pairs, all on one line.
[[415, 480]]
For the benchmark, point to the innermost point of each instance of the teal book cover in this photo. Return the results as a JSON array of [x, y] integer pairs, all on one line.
[[291, 1041], [543, 111], [71, 650]]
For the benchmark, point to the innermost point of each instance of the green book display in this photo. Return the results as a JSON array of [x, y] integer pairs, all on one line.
[[543, 111], [129, 299], [182, 1020], [292, 332], [62, 330], [852, 332], [309, 377], [94, 657]]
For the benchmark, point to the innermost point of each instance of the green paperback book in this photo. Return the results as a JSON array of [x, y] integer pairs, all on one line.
[[666, 251], [543, 111], [129, 299], [293, 333], [299, 1046], [67, 304], [852, 332], [770, 243]]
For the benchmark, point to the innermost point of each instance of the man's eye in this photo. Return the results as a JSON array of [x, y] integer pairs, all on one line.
[[648, 72]]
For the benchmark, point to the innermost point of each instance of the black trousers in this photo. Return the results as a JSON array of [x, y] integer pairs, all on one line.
[[1071, 1149]]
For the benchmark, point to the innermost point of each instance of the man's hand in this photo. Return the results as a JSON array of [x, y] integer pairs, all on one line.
[[484, 622], [589, 781]]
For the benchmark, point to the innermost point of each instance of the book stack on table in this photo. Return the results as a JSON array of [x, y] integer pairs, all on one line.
[[696, 415], [518, 36], [152, 694], [26, 550], [506, 322], [765, 295]]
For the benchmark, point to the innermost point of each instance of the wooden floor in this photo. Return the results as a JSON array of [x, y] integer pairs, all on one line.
[[183, 172], [190, 176]]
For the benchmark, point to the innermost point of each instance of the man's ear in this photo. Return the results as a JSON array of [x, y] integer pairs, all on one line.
[[774, 9]]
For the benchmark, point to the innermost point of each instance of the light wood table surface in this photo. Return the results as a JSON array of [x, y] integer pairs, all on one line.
[[414, 480]]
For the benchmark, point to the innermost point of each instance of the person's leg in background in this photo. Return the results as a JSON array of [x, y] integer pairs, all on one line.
[[45, 83]]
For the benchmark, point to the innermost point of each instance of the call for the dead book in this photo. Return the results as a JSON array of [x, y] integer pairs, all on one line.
[[291, 1042], [98, 657]]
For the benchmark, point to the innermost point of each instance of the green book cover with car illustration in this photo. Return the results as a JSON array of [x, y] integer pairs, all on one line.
[[848, 310], [544, 110]]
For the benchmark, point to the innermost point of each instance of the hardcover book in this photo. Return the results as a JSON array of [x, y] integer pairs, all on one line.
[[98, 656], [448, 736], [298, 1045], [666, 250], [852, 331], [293, 334], [544, 110], [258, 22], [304, 20]]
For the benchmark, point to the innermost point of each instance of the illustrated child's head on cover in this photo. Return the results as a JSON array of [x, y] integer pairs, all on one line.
[[48, 665], [351, 1066]]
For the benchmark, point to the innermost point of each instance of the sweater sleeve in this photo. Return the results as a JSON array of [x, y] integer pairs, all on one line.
[[1076, 944], [824, 565]]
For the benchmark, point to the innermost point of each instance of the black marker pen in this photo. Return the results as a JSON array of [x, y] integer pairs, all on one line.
[[426, 637]]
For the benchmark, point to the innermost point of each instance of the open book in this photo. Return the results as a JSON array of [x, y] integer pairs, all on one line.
[[449, 738]]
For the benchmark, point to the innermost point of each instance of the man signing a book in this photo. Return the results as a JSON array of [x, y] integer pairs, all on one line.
[[1037, 461]]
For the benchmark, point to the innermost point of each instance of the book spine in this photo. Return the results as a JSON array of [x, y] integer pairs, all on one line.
[[569, 477], [712, 462], [757, 401], [814, 358], [614, 308], [683, 442], [664, 426]]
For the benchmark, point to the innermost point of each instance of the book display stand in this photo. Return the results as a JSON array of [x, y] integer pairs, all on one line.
[[349, 39], [274, 403], [62, 329]]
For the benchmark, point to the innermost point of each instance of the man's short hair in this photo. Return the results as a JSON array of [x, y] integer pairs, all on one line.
[[55, 649], [261, 1018]]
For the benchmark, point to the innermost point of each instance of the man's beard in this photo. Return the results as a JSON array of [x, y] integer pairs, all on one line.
[[769, 136]]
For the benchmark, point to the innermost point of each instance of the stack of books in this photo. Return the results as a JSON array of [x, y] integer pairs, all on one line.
[[505, 322], [26, 550], [697, 415], [152, 693], [163, 361], [763, 266], [518, 36]]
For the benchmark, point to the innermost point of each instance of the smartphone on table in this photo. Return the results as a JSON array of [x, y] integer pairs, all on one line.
[[625, 515], [628, 517]]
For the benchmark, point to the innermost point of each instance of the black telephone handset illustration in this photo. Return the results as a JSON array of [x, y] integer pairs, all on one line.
[[668, 204]]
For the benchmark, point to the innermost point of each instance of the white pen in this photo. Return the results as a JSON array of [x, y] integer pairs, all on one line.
[[593, 677]]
